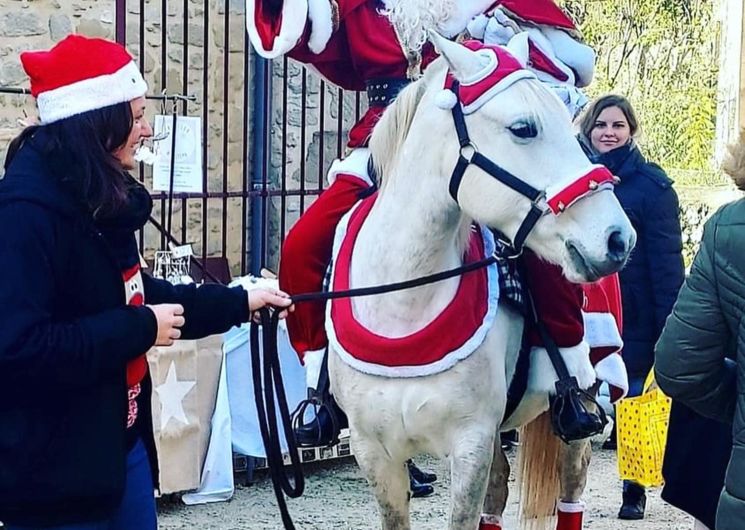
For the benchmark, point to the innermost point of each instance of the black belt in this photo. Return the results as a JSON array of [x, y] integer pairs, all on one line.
[[382, 90]]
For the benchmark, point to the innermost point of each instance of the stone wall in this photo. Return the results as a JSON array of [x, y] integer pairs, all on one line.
[[28, 25], [196, 42]]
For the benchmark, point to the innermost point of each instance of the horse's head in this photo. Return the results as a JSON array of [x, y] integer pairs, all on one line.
[[520, 169]]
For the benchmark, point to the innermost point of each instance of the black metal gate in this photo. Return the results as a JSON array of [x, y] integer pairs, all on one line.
[[270, 129]]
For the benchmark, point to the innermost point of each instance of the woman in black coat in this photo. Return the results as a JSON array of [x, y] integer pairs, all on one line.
[[653, 276], [77, 314]]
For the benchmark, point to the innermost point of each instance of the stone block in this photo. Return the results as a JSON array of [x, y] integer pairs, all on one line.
[[11, 73], [95, 28], [60, 26], [21, 24]]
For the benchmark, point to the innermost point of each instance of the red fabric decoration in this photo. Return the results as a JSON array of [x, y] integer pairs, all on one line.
[[426, 346], [501, 72], [541, 62], [539, 12], [597, 179]]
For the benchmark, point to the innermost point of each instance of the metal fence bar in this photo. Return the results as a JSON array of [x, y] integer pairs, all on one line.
[[269, 192]]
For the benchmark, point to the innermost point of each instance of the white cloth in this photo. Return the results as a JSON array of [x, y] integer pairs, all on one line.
[[245, 431], [217, 472]]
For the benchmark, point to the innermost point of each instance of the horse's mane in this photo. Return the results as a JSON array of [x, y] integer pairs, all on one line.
[[391, 130]]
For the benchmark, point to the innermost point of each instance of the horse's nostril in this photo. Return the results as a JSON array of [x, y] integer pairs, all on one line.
[[617, 248]]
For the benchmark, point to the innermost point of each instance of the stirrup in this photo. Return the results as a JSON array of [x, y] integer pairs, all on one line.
[[319, 402], [570, 418]]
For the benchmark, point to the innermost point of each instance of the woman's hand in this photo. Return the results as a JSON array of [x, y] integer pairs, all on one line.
[[262, 297], [170, 318]]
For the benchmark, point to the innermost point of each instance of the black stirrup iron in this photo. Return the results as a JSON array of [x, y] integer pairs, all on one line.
[[570, 418]]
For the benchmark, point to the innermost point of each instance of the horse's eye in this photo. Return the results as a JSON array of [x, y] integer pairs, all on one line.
[[524, 129]]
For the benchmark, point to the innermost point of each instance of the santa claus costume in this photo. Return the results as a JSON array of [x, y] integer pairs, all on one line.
[[379, 46]]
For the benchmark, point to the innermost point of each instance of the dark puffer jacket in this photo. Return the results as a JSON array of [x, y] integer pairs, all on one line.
[[706, 327], [651, 280]]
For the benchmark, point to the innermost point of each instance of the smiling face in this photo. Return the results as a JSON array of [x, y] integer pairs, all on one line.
[[140, 130], [610, 130]]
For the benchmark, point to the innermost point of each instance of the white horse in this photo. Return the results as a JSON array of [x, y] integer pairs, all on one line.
[[416, 228]]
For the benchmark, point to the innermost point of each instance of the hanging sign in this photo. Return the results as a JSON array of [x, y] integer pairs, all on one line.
[[187, 160]]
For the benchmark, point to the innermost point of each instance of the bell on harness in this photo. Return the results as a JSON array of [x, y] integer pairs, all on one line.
[[570, 418]]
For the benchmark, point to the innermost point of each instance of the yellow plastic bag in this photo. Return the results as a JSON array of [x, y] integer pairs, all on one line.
[[642, 433]]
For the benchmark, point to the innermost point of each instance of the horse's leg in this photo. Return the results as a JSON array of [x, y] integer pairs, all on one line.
[[389, 480], [496, 490], [575, 459], [471, 460], [574, 462]]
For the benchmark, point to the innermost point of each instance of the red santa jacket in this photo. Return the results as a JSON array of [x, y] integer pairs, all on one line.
[[351, 42]]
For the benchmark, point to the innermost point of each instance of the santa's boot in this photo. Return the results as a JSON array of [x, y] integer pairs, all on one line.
[[323, 429], [490, 522], [569, 515]]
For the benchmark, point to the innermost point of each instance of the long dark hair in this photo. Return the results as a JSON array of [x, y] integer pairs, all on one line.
[[80, 151], [590, 116]]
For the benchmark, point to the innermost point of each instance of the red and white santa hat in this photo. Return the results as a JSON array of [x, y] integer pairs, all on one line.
[[80, 74], [500, 70]]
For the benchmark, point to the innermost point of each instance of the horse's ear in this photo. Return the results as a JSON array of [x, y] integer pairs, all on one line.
[[519, 47], [463, 62]]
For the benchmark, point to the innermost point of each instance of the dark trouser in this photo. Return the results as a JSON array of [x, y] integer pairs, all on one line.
[[137, 509]]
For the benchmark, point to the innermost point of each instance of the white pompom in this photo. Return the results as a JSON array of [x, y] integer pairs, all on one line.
[[446, 99]]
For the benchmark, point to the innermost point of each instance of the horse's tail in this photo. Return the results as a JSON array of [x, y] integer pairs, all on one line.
[[538, 464]]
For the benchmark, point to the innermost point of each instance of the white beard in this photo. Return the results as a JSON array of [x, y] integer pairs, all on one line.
[[413, 18]]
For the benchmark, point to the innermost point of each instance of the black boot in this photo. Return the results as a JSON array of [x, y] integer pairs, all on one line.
[[418, 475], [322, 430], [418, 489], [634, 503]]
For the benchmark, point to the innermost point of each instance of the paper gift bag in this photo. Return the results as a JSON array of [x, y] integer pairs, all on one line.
[[642, 434], [185, 379]]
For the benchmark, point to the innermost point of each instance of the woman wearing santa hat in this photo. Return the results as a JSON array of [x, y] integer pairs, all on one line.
[[77, 314]]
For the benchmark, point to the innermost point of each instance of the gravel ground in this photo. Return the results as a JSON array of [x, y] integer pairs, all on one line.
[[337, 497]]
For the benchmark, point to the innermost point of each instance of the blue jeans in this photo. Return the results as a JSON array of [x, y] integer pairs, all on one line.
[[137, 509], [636, 387]]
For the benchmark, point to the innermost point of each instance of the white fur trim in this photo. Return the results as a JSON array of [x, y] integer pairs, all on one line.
[[322, 24], [601, 330], [542, 376], [503, 84], [450, 359], [446, 99], [571, 507], [313, 361], [477, 26], [123, 85], [612, 370], [355, 164], [539, 40], [491, 519], [578, 56], [294, 19]]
